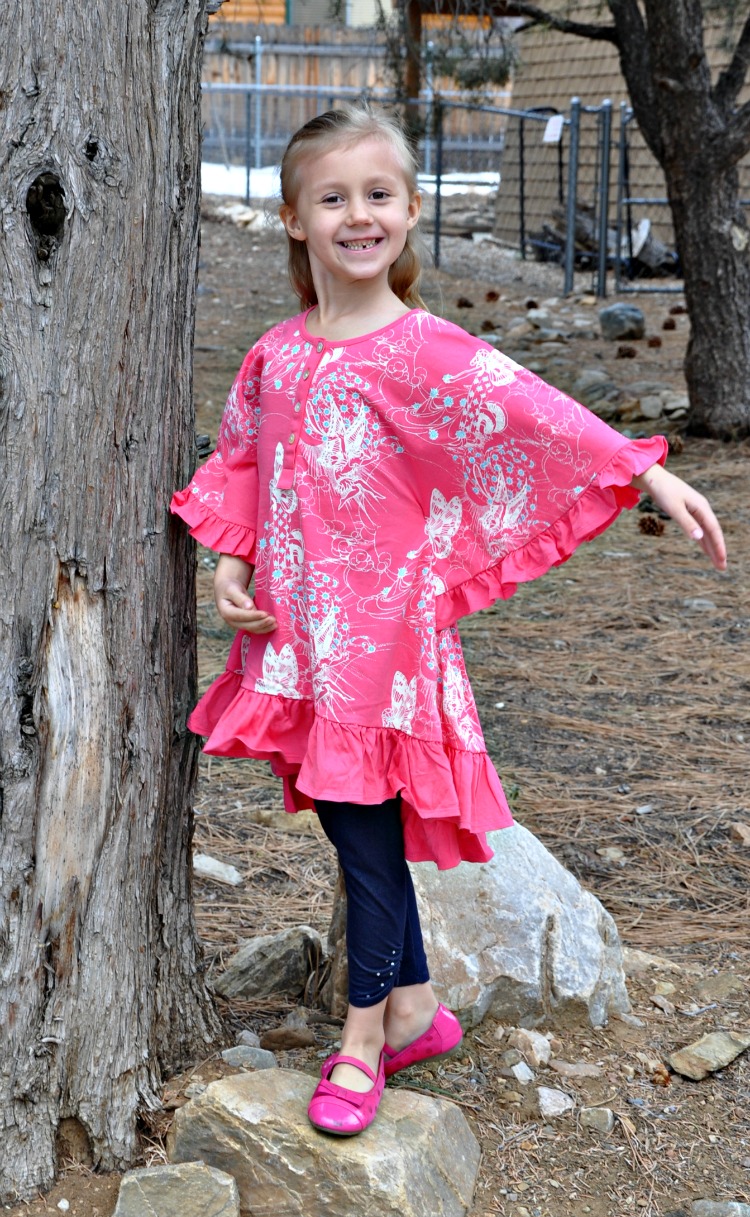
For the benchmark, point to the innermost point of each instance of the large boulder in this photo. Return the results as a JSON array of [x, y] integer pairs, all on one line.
[[418, 1157], [189, 1190], [519, 938]]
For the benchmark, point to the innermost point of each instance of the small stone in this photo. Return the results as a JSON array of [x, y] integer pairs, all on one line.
[[499, 1033], [244, 1056], [250, 1038], [699, 604], [553, 1103], [598, 1119], [645, 809], [611, 853], [522, 1073], [510, 1057], [579, 1069], [630, 1020], [621, 321], [191, 1189], [740, 832], [194, 1089], [709, 1053], [651, 407], [540, 318], [635, 961], [665, 988], [534, 1046], [207, 867], [63, 1205], [662, 1003], [272, 963], [555, 1044], [283, 1038]]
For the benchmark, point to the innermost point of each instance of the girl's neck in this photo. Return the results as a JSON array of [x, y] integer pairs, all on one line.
[[339, 316]]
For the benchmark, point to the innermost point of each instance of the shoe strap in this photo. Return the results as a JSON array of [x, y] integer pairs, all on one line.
[[339, 1059]]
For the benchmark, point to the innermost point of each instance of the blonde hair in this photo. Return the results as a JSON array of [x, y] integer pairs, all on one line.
[[319, 135]]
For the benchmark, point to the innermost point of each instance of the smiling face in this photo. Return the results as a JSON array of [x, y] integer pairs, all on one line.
[[353, 209]]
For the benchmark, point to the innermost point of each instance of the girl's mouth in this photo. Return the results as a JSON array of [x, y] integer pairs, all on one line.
[[369, 244]]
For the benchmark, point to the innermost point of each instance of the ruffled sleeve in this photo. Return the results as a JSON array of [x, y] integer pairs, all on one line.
[[512, 473], [220, 504]]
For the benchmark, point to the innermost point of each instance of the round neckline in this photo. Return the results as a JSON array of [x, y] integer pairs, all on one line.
[[342, 342]]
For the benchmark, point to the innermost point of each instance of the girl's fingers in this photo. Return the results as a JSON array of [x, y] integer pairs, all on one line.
[[698, 521], [238, 610]]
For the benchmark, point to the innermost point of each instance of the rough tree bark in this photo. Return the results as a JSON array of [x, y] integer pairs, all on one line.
[[101, 989], [698, 132]]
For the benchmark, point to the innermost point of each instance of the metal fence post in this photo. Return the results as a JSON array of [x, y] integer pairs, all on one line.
[[429, 85], [620, 194], [606, 129], [248, 150], [258, 110], [521, 189], [438, 176], [570, 233]]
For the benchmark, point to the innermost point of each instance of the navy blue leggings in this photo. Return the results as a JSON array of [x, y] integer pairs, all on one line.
[[383, 935]]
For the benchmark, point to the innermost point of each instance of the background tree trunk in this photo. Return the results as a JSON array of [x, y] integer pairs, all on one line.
[[100, 982]]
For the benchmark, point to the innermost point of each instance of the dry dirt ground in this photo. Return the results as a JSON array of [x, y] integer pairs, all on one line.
[[614, 695]]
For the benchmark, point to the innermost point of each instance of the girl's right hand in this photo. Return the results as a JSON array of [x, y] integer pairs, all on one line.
[[231, 581]]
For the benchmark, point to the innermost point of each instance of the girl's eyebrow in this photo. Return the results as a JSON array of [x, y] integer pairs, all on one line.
[[385, 179]]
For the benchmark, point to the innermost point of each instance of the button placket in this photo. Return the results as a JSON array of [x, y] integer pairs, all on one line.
[[286, 479]]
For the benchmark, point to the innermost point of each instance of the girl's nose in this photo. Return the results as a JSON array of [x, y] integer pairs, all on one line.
[[358, 212]]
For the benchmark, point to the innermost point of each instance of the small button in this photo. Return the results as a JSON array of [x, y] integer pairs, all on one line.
[[291, 438], [319, 347], [305, 374], [297, 407]]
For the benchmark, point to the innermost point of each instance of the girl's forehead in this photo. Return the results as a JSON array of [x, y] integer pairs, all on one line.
[[370, 156]]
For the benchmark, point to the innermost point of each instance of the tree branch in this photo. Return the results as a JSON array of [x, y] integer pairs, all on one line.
[[737, 139], [539, 16], [732, 78]]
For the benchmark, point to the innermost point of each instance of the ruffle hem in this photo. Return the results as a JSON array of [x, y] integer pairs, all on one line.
[[590, 515]]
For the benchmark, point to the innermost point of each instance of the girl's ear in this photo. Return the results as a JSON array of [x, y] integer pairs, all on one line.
[[291, 222], [414, 210]]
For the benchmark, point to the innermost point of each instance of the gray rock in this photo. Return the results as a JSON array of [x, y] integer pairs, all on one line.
[[191, 1189], [250, 1038], [245, 1056], [598, 1119], [522, 1073], [622, 321], [709, 1053], [518, 937], [553, 1102], [419, 1156], [273, 963], [540, 318], [651, 406], [591, 385], [719, 1208], [207, 867]]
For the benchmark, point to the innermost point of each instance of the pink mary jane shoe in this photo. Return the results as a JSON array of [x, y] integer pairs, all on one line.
[[439, 1039], [342, 1112]]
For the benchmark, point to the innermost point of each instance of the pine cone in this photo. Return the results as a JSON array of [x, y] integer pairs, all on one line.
[[652, 526]]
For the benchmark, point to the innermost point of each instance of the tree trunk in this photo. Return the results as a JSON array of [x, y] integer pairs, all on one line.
[[714, 245], [100, 982], [687, 122]]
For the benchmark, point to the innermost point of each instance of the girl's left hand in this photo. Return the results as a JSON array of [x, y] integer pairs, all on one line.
[[687, 508]]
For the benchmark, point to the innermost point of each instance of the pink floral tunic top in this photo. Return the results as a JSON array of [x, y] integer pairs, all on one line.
[[383, 487]]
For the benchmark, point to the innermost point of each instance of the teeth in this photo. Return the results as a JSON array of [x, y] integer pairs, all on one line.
[[359, 244]]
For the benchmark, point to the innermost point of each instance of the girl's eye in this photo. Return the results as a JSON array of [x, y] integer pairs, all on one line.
[[332, 198], [379, 195]]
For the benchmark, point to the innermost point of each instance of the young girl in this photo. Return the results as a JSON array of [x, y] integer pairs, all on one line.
[[384, 474]]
